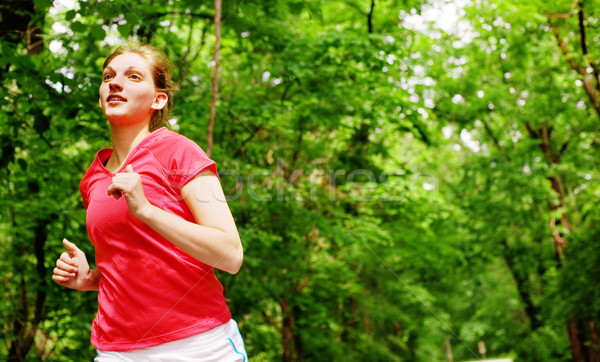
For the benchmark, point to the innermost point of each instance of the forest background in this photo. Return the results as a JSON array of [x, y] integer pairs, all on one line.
[[412, 180]]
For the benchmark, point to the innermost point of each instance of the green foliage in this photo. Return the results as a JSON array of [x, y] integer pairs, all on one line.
[[395, 191]]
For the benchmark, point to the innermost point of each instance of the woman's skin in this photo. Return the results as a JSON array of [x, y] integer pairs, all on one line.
[[128, 98]]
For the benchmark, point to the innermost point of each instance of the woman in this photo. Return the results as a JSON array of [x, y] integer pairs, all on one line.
[[157, 217]]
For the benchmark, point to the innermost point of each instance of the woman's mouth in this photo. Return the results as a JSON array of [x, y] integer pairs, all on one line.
[[115, 98]]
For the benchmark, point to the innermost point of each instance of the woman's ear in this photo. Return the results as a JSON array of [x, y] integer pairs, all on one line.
[[160, 101]]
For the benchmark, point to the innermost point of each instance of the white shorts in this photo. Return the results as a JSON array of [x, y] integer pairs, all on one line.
[[223, 343]]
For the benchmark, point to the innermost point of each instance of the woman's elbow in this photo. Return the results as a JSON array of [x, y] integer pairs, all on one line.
[[235, 258]]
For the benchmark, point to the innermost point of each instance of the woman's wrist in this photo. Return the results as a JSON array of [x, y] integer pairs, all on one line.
[[92, 280], [145, 213]]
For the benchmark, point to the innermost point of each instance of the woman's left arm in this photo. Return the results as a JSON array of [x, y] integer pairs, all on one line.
[[213, 239]]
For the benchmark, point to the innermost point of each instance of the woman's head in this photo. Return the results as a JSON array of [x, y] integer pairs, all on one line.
[[159, 66]]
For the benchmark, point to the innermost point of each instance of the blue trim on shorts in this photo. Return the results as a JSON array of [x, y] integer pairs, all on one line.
[[245, 354], [236, 351]]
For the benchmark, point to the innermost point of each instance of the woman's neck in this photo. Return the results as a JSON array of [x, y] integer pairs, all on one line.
[[124, 140]]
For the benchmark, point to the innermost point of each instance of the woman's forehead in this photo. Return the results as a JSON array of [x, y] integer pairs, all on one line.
[[129, 60]]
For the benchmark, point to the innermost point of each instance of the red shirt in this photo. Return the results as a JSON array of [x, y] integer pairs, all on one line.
[[151, 292]]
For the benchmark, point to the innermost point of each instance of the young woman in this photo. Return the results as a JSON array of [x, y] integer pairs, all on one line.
[[159, 222]]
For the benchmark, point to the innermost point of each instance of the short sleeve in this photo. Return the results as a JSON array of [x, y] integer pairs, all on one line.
[[182, 159], [84, 185], [84, 194]]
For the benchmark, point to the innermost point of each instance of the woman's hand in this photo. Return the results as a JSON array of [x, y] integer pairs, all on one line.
[[73, 271], [129, 184]]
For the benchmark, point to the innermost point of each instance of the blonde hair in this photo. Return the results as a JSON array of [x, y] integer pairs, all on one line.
[[161, 66]]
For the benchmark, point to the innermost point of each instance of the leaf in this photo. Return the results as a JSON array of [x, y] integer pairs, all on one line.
[[70, 15], [296, 7], [98, 32], [78, 27], [8, 151], [125, 29], [41, 123], [131, 18], [42, 5], [315, 11], [22, 164], [250, 10]]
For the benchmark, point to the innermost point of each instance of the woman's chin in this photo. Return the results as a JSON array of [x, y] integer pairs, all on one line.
[[125, 121]]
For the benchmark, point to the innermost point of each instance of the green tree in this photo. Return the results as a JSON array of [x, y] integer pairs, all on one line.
[[535, 120], [402, 192]]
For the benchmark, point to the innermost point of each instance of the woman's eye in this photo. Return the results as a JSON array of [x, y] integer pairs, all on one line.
[[108, 77], [135, 77]]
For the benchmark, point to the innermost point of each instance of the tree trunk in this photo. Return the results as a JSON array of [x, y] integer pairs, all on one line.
[[577, 333], [594, 350], [298, 346], [591, 85], [287, 332], [575, 342], [523, 287], [351, 320], [20, 25], [215, 80], [448, 348], [26, 325]]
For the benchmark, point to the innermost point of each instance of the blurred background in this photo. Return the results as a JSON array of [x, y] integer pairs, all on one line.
[[412, 180]]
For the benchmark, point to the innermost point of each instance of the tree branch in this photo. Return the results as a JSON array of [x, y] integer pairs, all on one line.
[[532, 132], [354, 6], [564, 48], [370, 17], [564, 16], [591, 90], [583, 42], [491, 134], [523, 285], [582, 37], [545, 145], [563, 148], [183, 61]]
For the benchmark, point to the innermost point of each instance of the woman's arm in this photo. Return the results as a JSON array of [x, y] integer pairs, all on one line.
[[73, 271], [213, 239]]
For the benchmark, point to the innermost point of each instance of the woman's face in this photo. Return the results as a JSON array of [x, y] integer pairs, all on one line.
[[127, 93]]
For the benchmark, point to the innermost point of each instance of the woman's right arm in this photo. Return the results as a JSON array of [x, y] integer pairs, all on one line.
[[73, 271]]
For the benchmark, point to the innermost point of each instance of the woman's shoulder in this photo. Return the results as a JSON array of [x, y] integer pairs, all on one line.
[[164, 136], [170, 148]]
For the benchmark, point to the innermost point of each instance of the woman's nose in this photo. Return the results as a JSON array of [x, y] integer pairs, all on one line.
[[115, 83]]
